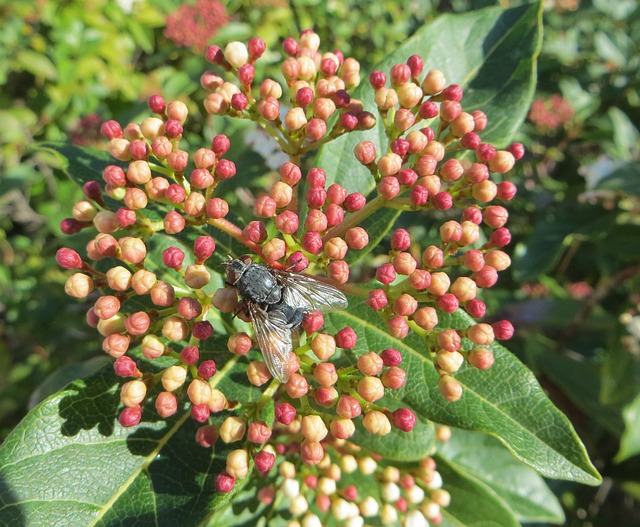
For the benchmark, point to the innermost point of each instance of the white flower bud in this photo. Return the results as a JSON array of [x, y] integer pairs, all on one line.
[[415, 518], [369, 507], [291, 488], [311, 520], [390, 492], [340, 509], [414, 494], [348, 463], [299, 505], [356, 521], [389, 514], [236, 54], [436, 481], [367, 465], [327, 486]]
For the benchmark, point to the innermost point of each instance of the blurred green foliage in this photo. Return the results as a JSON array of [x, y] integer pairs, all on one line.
[[574, 288]]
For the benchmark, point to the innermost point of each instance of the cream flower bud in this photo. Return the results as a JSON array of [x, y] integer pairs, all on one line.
[[238, 463], [390, 492], [236, 54], [290, 488], [369, 507], [232, 429]]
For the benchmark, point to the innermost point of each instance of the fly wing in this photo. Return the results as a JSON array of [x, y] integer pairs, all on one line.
[[274, 340], [310, 294]]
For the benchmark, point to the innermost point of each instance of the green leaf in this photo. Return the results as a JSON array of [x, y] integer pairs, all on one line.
[[625, 179], [505, 401], [70, 460], [491, 53], [473, 502], [630, 440], [484, 459], [38, 64]]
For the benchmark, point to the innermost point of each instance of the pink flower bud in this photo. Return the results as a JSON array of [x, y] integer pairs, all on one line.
[[405, 305], [442, 201], [377, 299], [348, 407], [203, 248], [346, 338], [173, 257], [264, 461], [404, 419], [503, 329], [224, 482], [335, 248], [207, 369], [338, 271], [202, 330], [316, 221], [285, 413], [394, 378], [389, 187], [377, 79], [391, 357], [297, 262], [290, 173], [189, 308], [316, 197], [258, 432], [404, 263], [325, 373], [447, 303], [481, 358], [130, 416], [217, 208], [398, 327], [386, 274], [419, 196], [125, 367], [115, 344], [486, 277], [225, 169], [111, 130], [334, 214], [68, 259], [354, 202], [312, 322], [255, 231], [206, 436], [174, 223], [265, 207]]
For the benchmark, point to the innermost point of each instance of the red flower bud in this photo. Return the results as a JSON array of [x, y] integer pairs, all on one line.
[[377, 299], [354, 202], [256, 47], [377, 79], [404, 419], [125, 367], [503, 329], [334, 214], [385, 274], [346, 338], [285, 413], [312, 242], [68, 259], [173, 257], [207, 369], [190, 355], [506, 190], [130, 416], [202, 330], [391, 357], [312, 322], [224, 482], [264, 461], [225, 169]]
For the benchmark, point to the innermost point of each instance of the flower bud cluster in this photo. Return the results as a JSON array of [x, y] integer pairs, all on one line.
[[405, 496], [421, 172], [152, 174], [313, 107]]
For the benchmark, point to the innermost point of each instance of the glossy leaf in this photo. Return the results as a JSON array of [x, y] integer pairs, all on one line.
[[473, 502], [491, 53], [630, 440], [484, 459], [491, 402]]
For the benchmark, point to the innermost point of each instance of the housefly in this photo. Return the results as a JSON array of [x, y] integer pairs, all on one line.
[[276, 302]]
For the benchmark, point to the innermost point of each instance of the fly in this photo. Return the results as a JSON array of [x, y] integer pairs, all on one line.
[[276, 302]]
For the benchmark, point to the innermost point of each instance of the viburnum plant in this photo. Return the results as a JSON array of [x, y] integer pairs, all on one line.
[[404, 209]]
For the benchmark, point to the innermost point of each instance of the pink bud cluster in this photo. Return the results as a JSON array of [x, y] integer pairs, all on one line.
[[158, 175], [315, 105], [421, 172]]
